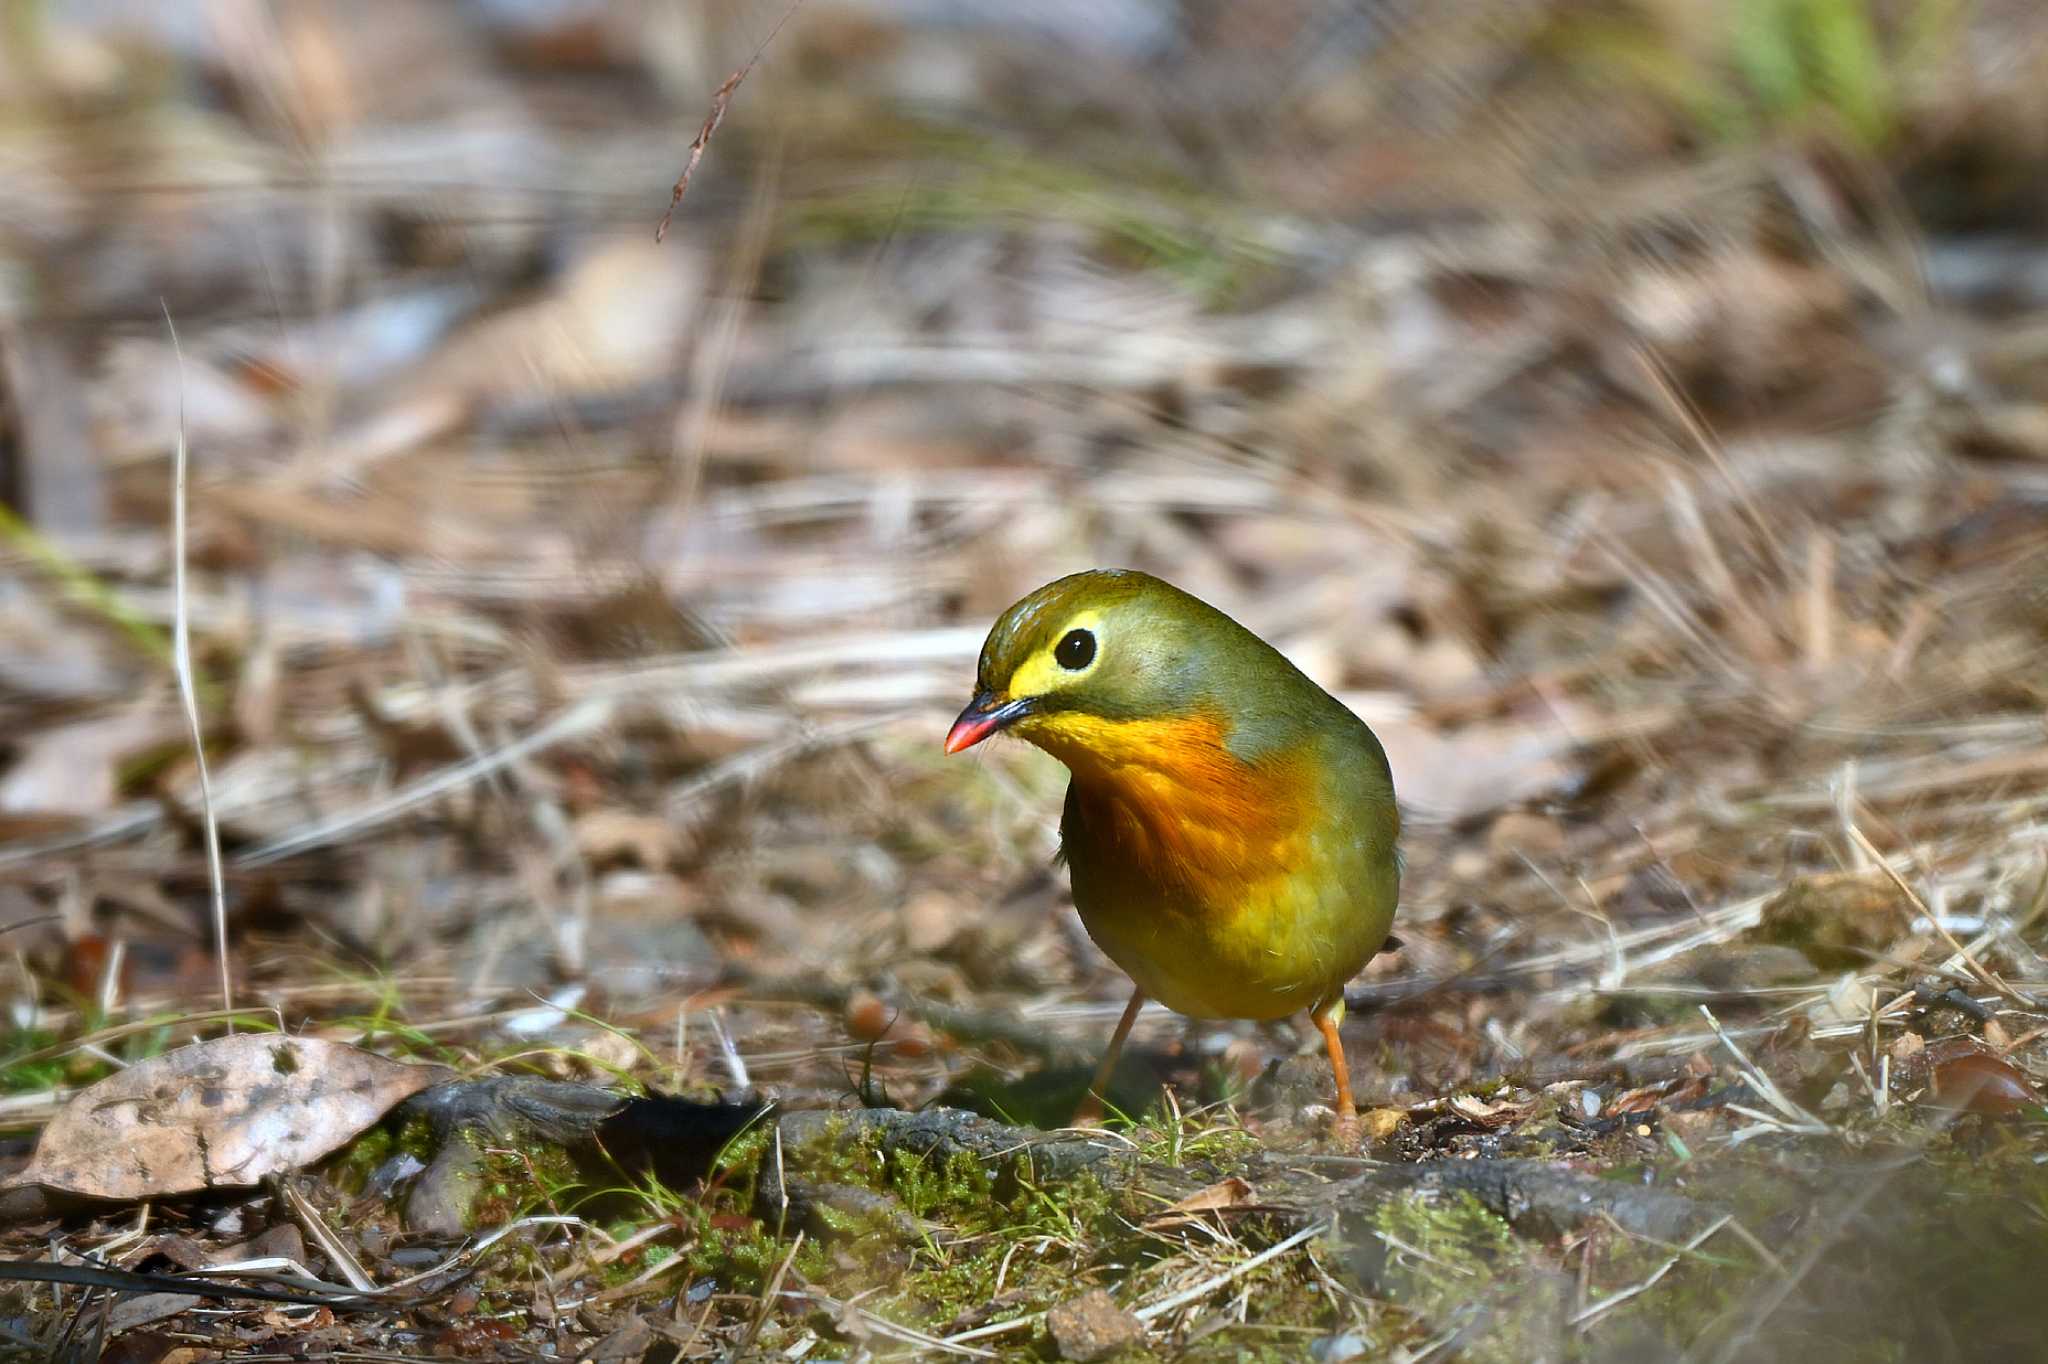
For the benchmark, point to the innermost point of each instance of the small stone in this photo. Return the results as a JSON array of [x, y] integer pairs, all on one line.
[[1092, 1327], [1337, 1349], [1377, 1125]]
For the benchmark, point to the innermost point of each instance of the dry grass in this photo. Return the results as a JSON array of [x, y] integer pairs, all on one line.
[[574, 620]]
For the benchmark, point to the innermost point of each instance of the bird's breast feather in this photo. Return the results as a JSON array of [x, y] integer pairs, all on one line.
[[1168, 801]]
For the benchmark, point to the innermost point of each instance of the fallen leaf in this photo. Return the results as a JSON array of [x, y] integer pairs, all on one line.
[[1225, 1193], [218, 1114], [1475, 1109], [73, 769]]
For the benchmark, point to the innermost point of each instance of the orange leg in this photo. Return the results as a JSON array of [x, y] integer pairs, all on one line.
[[1326, 1017], [1090, 1110]]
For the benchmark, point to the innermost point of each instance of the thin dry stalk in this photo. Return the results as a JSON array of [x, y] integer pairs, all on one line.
[[1820, 600], [1790, 1116], [572, 723], [1757, 638], [1991, 979], [721, 99], [181, 653], [322, 1236], [1696, 427], [769, 1297], [1233, 1274], [1588, 1316]]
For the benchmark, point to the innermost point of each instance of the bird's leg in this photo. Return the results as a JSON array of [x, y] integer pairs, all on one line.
[[1090, 1110], [1326, 1016]]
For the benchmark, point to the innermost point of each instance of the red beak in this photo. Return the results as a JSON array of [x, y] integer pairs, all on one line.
[[984, 716]]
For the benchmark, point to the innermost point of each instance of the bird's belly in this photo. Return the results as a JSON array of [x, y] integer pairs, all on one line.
[[1258, 948]]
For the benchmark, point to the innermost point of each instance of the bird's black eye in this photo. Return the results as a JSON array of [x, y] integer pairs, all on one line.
[[1076, 650]]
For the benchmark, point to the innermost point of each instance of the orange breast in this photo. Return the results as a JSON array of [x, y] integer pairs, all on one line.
[[1170, 802]]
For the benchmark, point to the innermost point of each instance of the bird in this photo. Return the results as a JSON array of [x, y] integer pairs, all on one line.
[[1230, 828]]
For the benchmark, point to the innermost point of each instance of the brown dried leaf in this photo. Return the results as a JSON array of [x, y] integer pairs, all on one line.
[[1225, 1193], [218, 1114], [73, 769], [1494, 1114]]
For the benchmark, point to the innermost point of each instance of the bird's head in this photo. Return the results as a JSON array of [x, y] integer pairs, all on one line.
[[1095, 651]]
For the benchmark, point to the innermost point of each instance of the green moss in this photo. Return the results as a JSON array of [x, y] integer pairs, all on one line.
[[856, 1224], [1452, 1264], [848, 1154], [28, 1077], [352, 1167], [743, 1255], [1451, 1238], [1192, 1138], [946, 1189], [987, 1230]]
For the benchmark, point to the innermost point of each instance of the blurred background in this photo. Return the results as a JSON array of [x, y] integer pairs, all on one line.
[[1634, 408]]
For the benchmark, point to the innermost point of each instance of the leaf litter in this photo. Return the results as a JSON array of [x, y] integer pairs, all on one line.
[[582, 616]]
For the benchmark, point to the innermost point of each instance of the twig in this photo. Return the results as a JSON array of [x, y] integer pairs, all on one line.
[[322, 1236], [484, 1243], [720, 99], [995, 1328], [181, 658], [1991, 979], [882, 1326]]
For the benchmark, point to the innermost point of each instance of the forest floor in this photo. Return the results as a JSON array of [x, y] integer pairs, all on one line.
[[1637, 416]]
